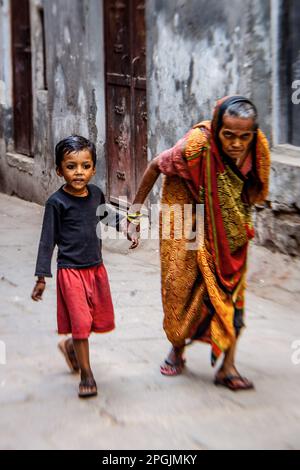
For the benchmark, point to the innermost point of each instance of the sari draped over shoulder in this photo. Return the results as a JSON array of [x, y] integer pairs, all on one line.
[[203, 288]]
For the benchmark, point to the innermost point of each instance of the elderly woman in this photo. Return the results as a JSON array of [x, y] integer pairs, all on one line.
[[224, 165]]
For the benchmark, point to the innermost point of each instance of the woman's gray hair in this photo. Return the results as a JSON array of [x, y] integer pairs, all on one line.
[[243, 110]]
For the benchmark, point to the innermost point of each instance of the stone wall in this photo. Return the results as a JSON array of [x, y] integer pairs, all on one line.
[[278, 222]]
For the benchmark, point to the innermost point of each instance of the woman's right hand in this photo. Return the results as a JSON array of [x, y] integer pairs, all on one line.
[[129, 229], [132, 232], [38, 290]]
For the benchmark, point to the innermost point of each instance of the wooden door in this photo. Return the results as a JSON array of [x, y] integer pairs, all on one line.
[[22, 76], [126, 108]]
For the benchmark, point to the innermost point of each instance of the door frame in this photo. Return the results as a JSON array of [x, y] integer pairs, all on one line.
[[134, 83]]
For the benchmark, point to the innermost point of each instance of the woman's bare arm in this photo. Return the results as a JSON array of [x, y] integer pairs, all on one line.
[[149, 178]]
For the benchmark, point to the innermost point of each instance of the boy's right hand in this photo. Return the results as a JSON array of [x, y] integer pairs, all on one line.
[[38, 290]]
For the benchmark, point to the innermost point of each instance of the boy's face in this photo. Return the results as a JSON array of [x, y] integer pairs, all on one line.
[[77, 168]]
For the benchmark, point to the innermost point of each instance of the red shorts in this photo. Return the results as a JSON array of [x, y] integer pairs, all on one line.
[[84, 302]]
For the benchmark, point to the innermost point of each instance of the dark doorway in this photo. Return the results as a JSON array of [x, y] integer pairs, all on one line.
[[294, 72], [289, 71], [22, 76], [126, 107]]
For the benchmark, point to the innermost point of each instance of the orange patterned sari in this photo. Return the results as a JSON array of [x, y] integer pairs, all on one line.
[[203, 289]]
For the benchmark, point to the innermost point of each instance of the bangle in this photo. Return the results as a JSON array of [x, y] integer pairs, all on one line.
[[134, 218], [134, 222], [134, 214]]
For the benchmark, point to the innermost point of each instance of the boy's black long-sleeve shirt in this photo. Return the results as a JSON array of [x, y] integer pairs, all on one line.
[[71, 223]]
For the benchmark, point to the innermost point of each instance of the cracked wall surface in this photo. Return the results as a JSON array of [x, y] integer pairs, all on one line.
[[73, 102], [197, 52]]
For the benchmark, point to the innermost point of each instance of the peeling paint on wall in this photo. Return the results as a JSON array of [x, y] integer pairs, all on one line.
[[75, 77], [2, 93], [199, 51]]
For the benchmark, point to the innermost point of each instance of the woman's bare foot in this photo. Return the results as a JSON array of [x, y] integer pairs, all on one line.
[[174, 363]]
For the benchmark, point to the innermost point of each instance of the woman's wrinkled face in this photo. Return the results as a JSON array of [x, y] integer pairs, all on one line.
[[236, 136]]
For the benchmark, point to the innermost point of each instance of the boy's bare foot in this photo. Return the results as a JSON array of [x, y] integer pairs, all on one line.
[[174, 363], [67, 349], [87, 387]]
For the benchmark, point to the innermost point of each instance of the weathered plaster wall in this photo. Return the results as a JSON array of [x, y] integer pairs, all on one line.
[[278, 224], [199, 51], [73, 103], [21, 175], [76, 61], [5, 79]]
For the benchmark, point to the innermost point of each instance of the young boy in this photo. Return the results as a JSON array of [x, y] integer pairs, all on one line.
[[84, 303]]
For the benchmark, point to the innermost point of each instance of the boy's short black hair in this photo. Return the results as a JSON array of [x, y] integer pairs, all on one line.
[[74, 143]]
